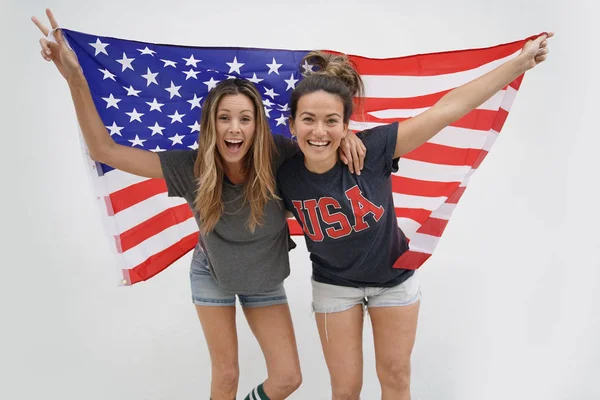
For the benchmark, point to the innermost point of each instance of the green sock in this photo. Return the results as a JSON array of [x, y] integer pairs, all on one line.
[[257, 394]]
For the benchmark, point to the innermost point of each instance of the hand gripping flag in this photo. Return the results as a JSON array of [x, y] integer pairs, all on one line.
[[150, 96]]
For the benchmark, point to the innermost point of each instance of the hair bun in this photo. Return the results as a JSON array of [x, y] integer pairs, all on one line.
[[337, 66]]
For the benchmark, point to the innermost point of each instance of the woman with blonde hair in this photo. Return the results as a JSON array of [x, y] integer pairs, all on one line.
[[244, 238]]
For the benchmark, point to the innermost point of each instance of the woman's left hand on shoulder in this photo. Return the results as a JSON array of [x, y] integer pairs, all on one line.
[[352, 153]]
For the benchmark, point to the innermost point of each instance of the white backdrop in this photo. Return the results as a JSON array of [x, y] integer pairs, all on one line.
[[511, 304]]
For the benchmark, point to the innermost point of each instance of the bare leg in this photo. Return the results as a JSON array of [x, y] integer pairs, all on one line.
[[272, 326], [341, 339], [218, 324], [394, 331]]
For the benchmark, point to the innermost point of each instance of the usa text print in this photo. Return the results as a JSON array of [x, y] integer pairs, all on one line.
[[329, 211]]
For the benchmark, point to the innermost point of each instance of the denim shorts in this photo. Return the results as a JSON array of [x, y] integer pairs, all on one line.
[[332, 298], [207, 292]]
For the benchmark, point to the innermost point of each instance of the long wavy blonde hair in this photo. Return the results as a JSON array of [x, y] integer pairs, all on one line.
[[260, 182]]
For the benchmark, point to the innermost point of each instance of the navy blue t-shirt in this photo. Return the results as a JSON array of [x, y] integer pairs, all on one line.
[[349, 221]]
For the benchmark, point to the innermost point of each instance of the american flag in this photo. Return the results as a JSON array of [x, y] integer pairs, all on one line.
[[150, 96]]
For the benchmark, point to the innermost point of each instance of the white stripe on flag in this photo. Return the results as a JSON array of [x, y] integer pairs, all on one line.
[[451, 136], [431, 172], [408, 226], [388, 86], [491, 139], [423, 243], [116, 180], [444, 211], [509, 99], [145, 210], [410, 201], [159, 242]]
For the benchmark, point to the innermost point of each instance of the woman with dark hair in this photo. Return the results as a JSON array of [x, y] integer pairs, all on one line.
[[349, 220]]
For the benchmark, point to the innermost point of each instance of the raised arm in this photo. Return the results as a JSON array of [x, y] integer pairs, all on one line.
[[415, 131], [101, 146]]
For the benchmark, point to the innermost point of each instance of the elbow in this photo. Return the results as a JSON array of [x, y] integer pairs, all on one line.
[[100, 154]]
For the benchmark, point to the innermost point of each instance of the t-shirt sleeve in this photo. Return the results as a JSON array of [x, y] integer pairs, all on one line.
[[286, 149], [178, 170], [381, 145]]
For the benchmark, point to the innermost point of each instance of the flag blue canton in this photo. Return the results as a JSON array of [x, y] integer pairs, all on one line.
[[150, 96]]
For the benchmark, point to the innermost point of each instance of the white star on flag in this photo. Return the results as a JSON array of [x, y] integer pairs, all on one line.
[[157, 149], [169, 63], [281, 120], [190, 74], [99, 47], [176, 139], [195, 102], [114, 129], [211, 84], [126, 63], [191, 61], [268, 103], [291, 83], [135, 116], [307, 67], [131, 91], [267, 111], [156, 129], [173, 90], [274, 67], [155, 105], [176, 117], [271, 93], [137, 141], [235, 66], [194, 146], [107, 74], [255, 79], [284, 107], [150, 77], [111, 101], [146, 51], [195, 127]]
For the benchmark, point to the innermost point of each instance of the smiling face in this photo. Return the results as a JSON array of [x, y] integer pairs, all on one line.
[[319, 127], [235, 125]]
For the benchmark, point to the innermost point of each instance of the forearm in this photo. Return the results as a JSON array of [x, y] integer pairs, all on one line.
[[94, 132], [460, 101]]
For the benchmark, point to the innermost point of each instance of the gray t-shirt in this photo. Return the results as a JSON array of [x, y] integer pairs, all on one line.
[[240, 261]]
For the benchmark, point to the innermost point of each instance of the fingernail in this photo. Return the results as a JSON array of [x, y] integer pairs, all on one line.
[[48, 52]]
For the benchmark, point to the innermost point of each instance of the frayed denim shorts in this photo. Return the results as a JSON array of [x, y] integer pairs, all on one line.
[[207, 292], [332, 298]]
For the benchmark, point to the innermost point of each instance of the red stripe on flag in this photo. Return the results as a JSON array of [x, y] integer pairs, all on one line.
[[370, 104], [445, 155], [433, 227], [456, 195], [160, 261], [434, 63], [152, 226], [417, 187], [501, 116], [411, 260], [136, 193], [516, 84]]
